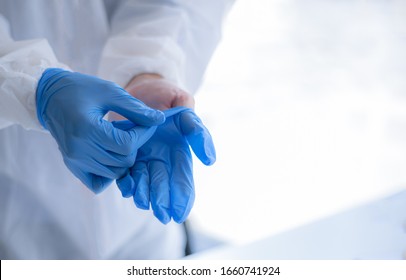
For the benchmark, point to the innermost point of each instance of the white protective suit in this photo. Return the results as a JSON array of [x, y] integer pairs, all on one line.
[[45, 212]]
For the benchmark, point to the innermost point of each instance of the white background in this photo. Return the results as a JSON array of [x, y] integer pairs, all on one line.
[[306, 102]]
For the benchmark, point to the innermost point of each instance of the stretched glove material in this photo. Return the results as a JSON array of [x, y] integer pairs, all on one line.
[[72, 106], [162, 174]]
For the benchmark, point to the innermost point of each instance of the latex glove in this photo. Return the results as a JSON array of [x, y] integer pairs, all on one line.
[[163, 171], [72, 106]]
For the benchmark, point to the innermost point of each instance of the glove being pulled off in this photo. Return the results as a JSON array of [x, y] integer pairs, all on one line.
[[163, 171]]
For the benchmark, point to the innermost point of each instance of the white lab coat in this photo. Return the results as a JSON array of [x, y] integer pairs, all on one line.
[[45, 212]]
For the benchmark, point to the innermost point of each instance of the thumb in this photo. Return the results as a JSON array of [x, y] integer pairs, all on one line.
[[143, 134], [198, 137]]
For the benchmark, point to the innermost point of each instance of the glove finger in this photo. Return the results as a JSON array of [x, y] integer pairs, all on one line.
[[126, 185], [159, 190], [140, 176], [93, 182], [182, 185], [100, 183], [112, 159], [198, 137], [120, 141], [134, 109], [94, 167], [142, 133]]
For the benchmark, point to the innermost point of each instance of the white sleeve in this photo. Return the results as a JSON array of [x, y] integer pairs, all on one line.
[[21, 66], [175, 39]]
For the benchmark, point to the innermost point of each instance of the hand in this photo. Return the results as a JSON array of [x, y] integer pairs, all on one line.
[[163, 172], [72, 106]]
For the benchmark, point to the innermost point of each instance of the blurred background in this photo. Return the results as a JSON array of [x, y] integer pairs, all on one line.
[[306, 101]]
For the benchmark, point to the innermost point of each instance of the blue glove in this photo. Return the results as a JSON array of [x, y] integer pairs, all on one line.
[[162, 173], [72, 106]]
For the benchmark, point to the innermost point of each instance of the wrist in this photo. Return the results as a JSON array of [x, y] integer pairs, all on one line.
[[158, 93], [142, 78]]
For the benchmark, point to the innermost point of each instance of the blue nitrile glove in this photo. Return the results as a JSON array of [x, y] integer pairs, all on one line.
[[72, 106], [162, 173]]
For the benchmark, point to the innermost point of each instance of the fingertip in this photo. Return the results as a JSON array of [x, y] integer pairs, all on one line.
[[161, 213], [204, 150], [179, 217], [141, 203], [156, 117], [209, 157], [160, 117], [126, 185], [99, 184], [210, 161], [138, 113], [198, 137], [162, 216], [166, 221], [181, 212]]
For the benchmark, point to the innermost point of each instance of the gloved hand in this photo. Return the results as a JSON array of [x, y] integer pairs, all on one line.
[[162, 173], [72, 106]]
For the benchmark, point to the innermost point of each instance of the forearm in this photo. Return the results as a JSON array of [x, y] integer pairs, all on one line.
[[21, 66]]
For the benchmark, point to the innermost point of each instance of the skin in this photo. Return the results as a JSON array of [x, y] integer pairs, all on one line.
[[156, 92]]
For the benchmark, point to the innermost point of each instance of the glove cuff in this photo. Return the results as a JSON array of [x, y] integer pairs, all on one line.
[[42, 97]]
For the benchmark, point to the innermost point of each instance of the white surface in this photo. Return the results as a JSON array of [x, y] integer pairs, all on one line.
[[306, 101], [373, 231]]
